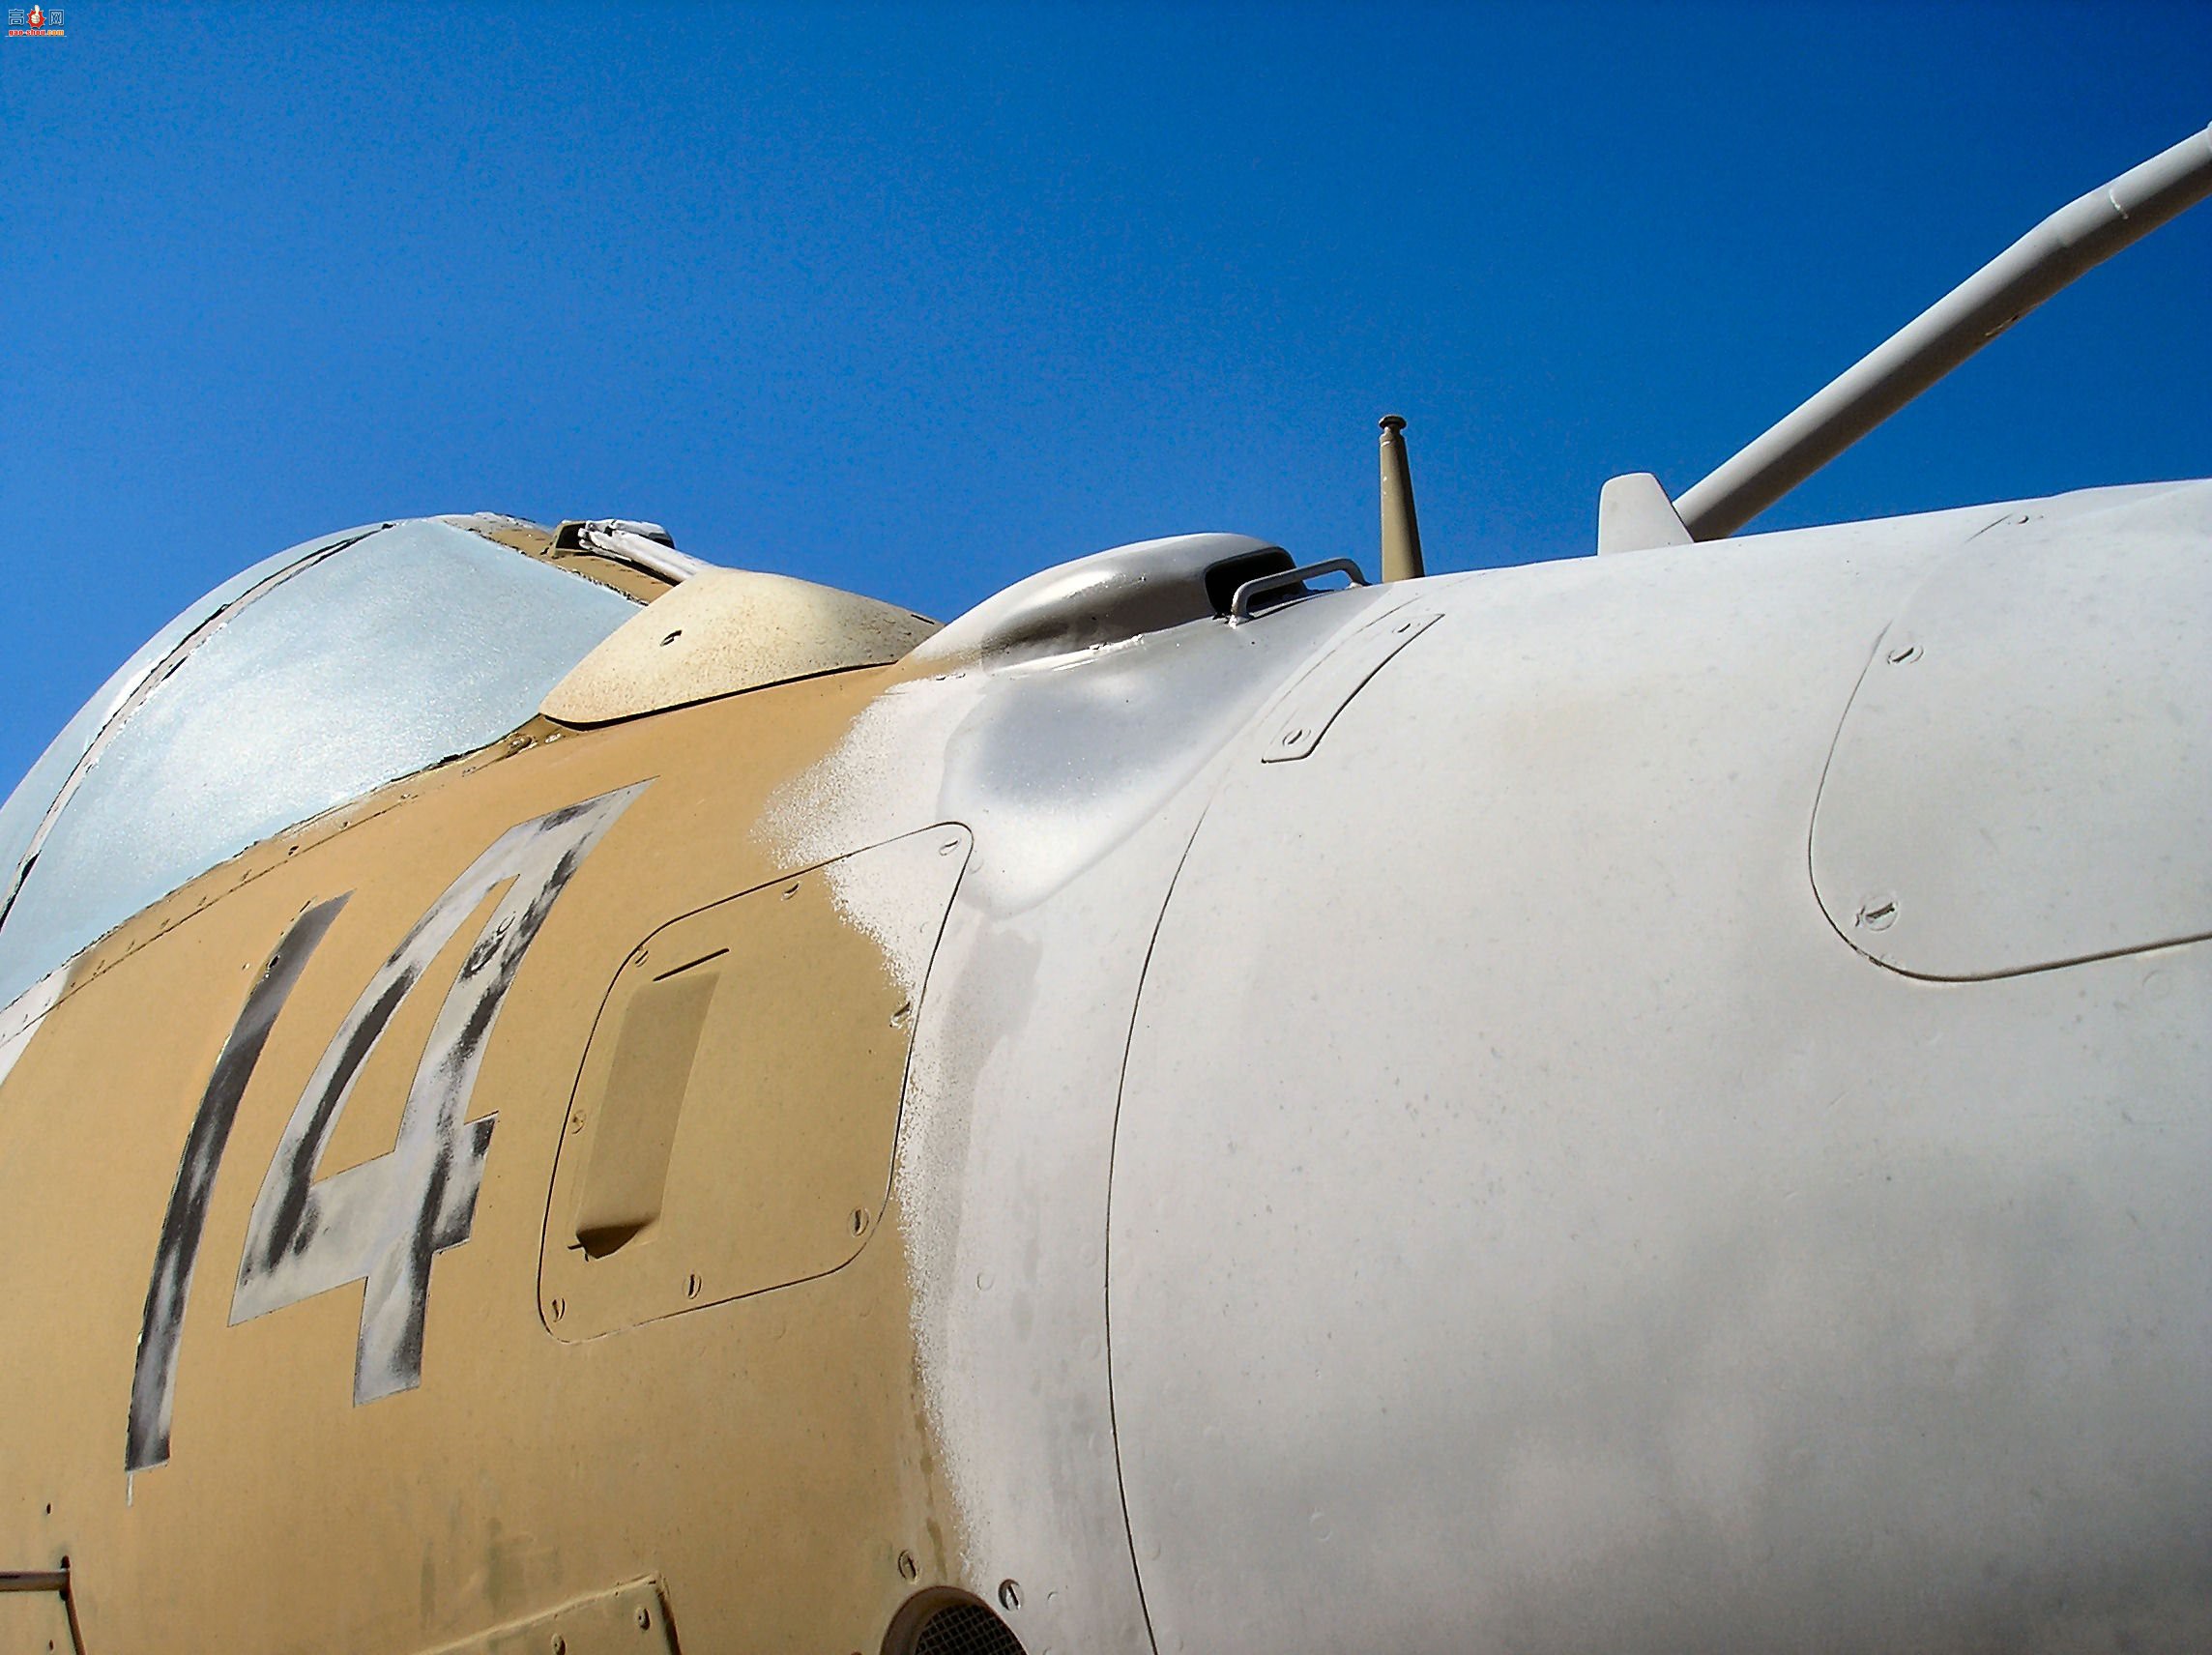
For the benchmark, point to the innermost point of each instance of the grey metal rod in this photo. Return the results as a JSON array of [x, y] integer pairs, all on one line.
[[2072, 240]]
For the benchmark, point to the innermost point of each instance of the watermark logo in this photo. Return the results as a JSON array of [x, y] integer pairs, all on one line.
[[38, 21]]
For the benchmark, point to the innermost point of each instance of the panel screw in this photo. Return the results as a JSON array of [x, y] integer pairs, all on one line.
[[908, 1568], [644, 1618], [559, 1307], [1009, 1595], [859, 1221], [672, 637], [559, 1644], [948, 847], [690, 1290], [1904, 653], [577, 1122], [1879, 913], [1291, 737], [639, 958]]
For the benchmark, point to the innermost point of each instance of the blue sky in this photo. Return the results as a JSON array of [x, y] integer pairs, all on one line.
[[916, 300]]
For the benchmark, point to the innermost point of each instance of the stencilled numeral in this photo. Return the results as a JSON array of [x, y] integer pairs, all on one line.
[[385, 1221]]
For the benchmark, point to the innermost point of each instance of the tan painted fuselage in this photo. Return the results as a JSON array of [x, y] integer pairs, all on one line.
[[755, 1466]]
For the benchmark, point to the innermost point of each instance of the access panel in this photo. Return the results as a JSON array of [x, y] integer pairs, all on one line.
[[2024, 777], [734, 1118]]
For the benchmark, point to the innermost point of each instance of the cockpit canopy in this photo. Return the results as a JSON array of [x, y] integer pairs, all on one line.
[[313, 678]]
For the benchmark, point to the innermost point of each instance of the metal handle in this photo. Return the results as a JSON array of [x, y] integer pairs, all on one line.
[[1240, 605]]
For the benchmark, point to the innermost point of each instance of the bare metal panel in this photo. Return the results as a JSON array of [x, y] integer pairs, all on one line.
[[414, 644], [2025, 777]]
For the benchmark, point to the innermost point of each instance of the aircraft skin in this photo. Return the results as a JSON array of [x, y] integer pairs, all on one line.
[[1648, 1102]]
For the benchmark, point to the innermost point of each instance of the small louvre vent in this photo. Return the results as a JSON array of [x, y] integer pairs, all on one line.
[[965, 1628]]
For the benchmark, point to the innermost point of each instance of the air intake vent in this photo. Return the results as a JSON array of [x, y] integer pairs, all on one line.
[[948, 1625]]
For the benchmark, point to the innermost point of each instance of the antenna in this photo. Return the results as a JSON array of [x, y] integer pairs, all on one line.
[[2073, 241], [1400, 529]]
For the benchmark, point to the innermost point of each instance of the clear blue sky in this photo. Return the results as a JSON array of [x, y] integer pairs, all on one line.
[[916, 300]]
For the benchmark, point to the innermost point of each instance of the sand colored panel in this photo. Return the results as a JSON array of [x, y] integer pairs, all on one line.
[[629, 1621], [35, 1612], [736, 1111], [627, 1172], [727, 630], [524, 1472]]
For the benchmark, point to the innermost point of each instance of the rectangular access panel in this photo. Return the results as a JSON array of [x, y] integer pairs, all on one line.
[[735, 1119]]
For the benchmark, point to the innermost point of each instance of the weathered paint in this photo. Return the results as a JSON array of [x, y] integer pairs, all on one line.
[[562, 1470], [1452, 1190], [384, 1220], [19, 1022], [154, 1381]]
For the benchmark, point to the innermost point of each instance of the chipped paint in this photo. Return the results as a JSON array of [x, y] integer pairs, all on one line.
[[384, 1221], [19, 1022], [153, 1378]]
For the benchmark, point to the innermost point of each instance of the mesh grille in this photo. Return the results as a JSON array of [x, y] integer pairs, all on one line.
[[966, 1628]]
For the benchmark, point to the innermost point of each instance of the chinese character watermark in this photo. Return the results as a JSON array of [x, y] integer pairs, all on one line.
[[37, 20]]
